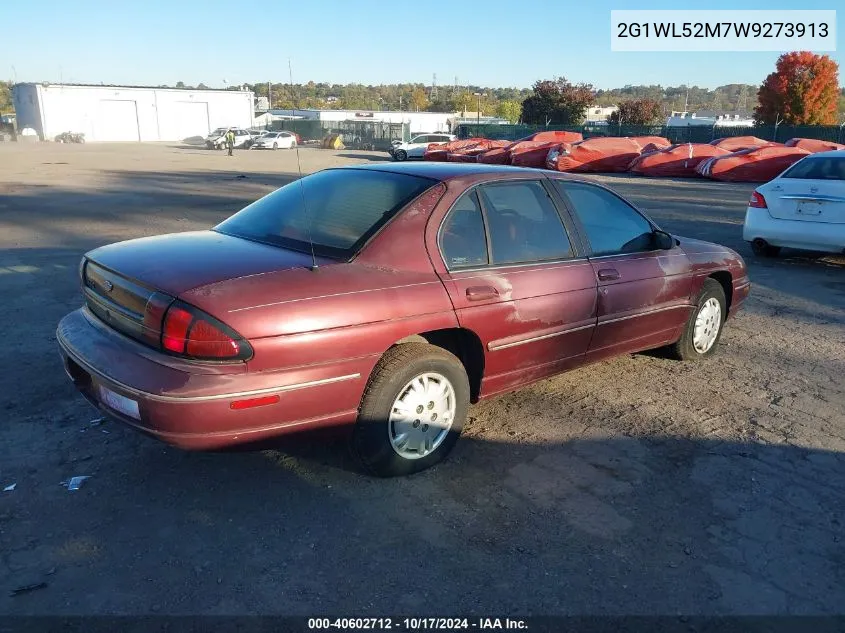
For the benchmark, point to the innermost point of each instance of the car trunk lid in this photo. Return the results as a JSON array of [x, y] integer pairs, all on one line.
[[806, 200], [180, 262], [131, 284]]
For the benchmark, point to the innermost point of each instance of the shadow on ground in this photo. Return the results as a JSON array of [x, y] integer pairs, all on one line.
[[647, 525]]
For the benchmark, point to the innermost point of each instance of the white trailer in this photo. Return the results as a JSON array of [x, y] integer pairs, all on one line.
[[125, 113]]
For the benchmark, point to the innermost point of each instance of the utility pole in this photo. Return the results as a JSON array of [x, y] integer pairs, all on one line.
[[269, 97], [433, 94], [778, 121], [478, 96]]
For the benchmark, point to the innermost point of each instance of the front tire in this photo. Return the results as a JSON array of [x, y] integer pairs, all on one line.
[[412, 411], [704, 328], [400, 155], [275, 146]]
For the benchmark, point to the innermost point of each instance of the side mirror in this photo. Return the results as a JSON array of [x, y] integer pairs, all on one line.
[[662, 240]]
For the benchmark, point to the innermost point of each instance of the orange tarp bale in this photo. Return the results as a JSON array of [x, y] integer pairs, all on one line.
[[496, 156], [435, 151], [601, 154], [751, 165], [645, 141], [813, 145], [457, 157], [676, 161], [737, 143], [558, 136], [531, 153]]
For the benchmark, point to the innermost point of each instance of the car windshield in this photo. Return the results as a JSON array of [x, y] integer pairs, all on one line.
[[818, 168], [219, 131], [343, 209]]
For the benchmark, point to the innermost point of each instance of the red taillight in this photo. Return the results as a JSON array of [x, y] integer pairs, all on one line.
[[206, 340], [189, 332], [175, 333], [757, 201]]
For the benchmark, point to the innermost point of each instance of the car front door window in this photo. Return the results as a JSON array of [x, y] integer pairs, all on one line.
[[612, 226], [523, 224]]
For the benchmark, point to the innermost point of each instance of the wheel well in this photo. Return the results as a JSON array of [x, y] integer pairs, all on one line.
[[464, 344], [726, 281]]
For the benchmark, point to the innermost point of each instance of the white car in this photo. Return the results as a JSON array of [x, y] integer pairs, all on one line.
[[803, 208], [217, 139], [275, 140], [415, 148]]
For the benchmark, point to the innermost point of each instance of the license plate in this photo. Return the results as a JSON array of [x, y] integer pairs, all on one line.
[[809, 208], [119, 403]]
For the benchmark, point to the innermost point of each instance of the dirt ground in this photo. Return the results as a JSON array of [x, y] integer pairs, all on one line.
[[636, 486]]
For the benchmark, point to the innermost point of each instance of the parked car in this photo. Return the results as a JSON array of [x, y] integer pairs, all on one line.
[[369, 298], [275, 140], [217, 139], [70, 137], [802, 208], [415, 148]]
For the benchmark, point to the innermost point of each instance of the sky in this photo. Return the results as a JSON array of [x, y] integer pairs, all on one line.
[[487, 43]]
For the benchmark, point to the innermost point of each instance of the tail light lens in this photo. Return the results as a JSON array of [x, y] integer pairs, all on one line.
[[193, 334], [757, 201]]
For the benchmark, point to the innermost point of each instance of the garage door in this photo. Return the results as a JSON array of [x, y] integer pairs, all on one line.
[[180, 120], [116, 121]]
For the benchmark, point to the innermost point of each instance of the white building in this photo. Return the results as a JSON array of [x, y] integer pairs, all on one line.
[[596, 114], [418, 122], [124, 113], [709, 119]]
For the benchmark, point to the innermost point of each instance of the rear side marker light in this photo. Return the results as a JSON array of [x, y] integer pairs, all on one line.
[[253, 402], [757, 201]]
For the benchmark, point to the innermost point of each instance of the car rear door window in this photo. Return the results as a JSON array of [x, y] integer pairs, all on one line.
[[612, 225], [523, 223], [462, 239]]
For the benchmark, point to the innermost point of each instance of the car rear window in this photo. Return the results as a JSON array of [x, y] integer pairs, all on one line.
[[818, 168], [338, 209]]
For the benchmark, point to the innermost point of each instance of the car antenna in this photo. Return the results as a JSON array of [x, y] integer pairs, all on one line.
[[299, 169]]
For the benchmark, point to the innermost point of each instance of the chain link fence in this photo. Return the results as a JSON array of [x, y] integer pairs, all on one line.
[[373, 135], [676, 134]]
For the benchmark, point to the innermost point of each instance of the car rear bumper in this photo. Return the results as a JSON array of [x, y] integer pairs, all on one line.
[[190, 405], [801, 234]]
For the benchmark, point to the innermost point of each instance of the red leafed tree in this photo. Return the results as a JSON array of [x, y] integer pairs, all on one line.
[[637, 112], [803, 90]]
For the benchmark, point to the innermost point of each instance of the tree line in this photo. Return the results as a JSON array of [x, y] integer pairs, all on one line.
[[803, 89]]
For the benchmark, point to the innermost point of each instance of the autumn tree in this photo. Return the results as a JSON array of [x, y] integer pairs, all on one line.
[[418, 99], [637, 112], [5, 97], [510, 110], [558, 102], [803, 90]]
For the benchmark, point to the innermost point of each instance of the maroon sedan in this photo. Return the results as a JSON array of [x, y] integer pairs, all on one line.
[[385, 298]]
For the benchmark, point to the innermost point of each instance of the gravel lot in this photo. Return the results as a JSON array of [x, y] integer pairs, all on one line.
[[636, 486]]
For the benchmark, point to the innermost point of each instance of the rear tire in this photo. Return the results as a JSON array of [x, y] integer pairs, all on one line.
[[431, 386], [400, 155], [703, 329], [763, 249]]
